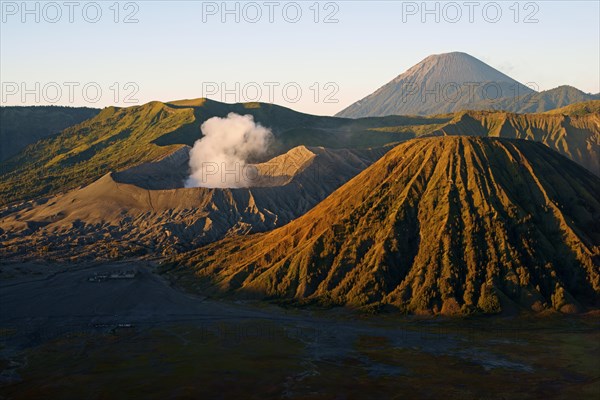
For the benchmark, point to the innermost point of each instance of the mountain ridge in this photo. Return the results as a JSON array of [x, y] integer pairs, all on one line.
[[120, 138]]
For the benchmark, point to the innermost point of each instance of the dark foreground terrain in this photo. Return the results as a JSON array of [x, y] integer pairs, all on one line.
[[76, 331]]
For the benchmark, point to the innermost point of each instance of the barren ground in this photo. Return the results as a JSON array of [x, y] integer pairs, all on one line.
[[62, 336]]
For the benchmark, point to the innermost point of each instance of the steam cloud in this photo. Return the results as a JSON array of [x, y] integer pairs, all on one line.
[[219, 159]]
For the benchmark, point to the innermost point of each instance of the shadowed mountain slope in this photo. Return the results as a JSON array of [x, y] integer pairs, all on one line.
[[438, 225], [22, 126], [546, 100]]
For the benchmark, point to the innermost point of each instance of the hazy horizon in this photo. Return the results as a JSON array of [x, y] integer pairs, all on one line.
[[232, 61]]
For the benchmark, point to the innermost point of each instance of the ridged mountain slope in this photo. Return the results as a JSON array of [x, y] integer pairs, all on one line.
[[438, 225]]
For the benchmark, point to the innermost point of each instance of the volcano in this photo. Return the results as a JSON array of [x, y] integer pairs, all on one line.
[[451, 225], [451, 82]]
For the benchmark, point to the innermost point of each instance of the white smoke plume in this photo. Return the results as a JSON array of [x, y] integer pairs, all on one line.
[[219, 159]]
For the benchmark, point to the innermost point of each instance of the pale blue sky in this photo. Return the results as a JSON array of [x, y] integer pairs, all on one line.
[[172, 54]]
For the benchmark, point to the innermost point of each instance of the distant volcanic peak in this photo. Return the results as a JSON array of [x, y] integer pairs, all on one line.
[[453, 68], [439, 84], [453, 54], [449, 224]]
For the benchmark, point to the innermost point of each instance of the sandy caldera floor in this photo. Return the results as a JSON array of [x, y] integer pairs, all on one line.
[[65, 335]]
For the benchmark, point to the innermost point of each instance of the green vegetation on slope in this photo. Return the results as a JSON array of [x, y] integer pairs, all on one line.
[[119, 138], [579, 109], [114, 139]]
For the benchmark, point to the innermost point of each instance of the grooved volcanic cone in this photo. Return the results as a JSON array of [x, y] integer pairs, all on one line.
[[447, 224], [440, 83]]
